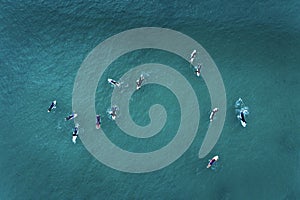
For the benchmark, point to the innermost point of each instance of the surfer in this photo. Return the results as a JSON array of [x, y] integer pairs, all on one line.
[[197, 69], [113, 112], [241, 111], [98, 121], [52, 106], [139, 82], [211, 162], [72, 116], [212, 114], [193, 56], [242, 118], [113, 82], [75, 133]]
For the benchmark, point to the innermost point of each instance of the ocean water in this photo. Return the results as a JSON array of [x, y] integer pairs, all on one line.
[[256, 47]]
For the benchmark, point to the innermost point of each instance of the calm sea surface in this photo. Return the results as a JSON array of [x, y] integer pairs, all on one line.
[[255, 45]]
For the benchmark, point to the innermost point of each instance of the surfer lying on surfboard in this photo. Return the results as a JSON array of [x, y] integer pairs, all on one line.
[[193, 56], [212, 114], [72, 116], [52, 106], [139, 82], [211, 162], [113, 82]]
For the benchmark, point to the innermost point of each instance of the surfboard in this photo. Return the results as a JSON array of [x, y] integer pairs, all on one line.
[[111, 81], [75, 115], [74, 139], [243, 123], [193, 55], [210, 163], [52, 106]]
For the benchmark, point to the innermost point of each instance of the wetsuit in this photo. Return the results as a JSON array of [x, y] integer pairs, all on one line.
[[243, 117], [75, 133], [98, 119], [70, 117]]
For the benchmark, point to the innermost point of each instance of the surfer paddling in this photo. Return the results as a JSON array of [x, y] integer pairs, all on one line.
[[212, 114]]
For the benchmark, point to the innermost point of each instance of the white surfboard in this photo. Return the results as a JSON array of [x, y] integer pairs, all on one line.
[[243, 124], [54, 106], [113, 82], [215, 158], [193, 56], [75, 115], [74, 139]]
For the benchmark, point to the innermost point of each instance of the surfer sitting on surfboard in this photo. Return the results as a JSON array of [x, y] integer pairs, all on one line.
[[211, 162], [197, 69], [98, 121], [113, 112]]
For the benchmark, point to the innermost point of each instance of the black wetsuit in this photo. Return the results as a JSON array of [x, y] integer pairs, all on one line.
[[51, 106], [70, 117], [114, 82], [243, 117], [75, 133], [212, 161], [139, 82], [98, 119]]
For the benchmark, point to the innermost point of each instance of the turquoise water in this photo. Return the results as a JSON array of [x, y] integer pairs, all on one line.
[[255, 46]]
